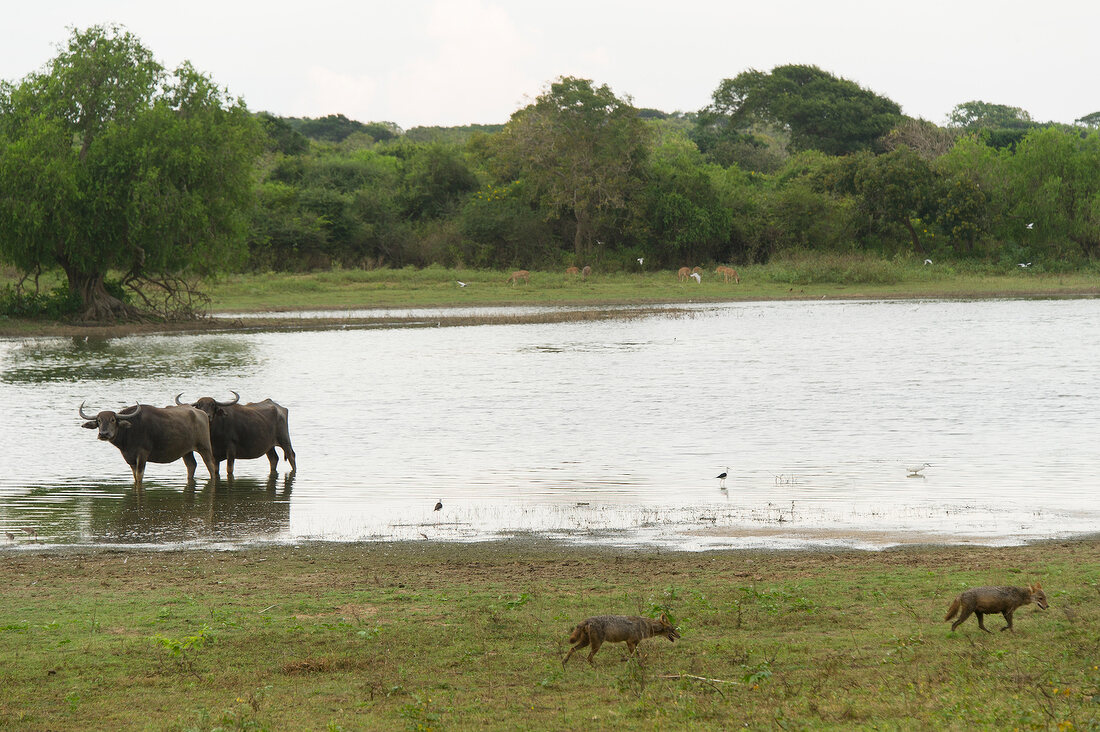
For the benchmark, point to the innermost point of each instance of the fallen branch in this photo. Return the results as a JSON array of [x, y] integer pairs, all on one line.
[[704, 679]]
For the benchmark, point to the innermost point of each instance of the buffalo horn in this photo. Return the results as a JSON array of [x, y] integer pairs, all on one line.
[[85, 416], [178, 399], [128, 414], [237, 398]]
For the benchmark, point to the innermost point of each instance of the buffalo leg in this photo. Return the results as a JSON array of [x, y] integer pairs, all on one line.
[[139, 472], [189, 461], [288, 455], [273, 458], [208, 460]]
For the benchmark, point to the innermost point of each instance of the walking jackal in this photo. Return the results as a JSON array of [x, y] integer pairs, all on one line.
[[616, 629], [1003, 600]]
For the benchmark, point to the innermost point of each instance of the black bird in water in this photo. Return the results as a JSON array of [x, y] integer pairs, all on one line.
[[439, 506], [722, 477]]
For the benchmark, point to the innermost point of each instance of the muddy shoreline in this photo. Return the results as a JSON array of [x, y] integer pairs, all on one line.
[[223, 321]]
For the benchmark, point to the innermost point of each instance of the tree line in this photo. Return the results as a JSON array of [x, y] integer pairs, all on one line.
[[111, 163]]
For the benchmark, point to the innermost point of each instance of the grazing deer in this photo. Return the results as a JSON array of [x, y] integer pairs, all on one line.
[[586, 271], [728, 273], [572, 271], [520, 274], [697, 270], [682, 274]]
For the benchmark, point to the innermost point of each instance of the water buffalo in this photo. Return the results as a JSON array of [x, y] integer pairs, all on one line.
[[144, 433], [246, 431]]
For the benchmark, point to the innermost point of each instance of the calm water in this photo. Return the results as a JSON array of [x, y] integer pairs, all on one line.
[[605, 431]]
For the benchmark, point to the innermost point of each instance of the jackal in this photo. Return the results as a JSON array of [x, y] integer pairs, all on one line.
[[1003, 600], [616, 629]]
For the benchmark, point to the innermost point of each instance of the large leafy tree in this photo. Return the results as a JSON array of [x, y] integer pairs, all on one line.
[[110, 163], [821, 111], [977, 115], [580, 151], [1055, 187]]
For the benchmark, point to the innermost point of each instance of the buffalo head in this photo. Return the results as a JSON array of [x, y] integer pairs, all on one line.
[[209, 404], [109, 423]]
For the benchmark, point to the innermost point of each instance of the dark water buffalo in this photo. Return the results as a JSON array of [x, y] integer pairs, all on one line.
[[246, 431], [145, 434]]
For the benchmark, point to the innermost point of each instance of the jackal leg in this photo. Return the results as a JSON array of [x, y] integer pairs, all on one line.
[[1008, 617], [963, 616], [980, 623], [596, 643], [582, 644]]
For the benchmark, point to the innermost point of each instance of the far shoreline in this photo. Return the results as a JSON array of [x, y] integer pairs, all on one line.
[[276, 319]]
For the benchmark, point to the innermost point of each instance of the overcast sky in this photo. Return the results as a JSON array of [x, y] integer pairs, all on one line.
[[453, 62]]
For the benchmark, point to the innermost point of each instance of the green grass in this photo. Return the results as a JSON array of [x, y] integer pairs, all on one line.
[[427, 636], [799, 277]]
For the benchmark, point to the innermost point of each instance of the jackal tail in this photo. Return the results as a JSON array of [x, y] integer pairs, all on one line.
[[953, 609]]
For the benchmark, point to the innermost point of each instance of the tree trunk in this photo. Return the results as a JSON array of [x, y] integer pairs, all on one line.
[[99, 305], [913, 234]]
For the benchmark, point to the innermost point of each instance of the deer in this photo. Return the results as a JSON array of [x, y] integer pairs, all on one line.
[[572, 271], [585, 272], [682, 274], [728, 273], [520, 274]]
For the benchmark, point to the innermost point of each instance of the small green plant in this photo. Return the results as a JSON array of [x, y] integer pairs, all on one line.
[[419, 715], [183, 650]]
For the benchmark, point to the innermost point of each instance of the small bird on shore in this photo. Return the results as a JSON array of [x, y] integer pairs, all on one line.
[[722, 477], [916, 469], [928, 261], [438, 505], [460, 283], [32, 532]]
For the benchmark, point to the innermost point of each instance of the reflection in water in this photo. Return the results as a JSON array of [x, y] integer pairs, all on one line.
[[608, 431], [37, 361], [243, 508]]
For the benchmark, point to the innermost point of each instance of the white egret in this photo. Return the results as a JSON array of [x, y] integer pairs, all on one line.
[[916, 469]]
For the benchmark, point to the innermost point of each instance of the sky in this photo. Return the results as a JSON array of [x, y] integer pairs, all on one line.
[[455, 62]]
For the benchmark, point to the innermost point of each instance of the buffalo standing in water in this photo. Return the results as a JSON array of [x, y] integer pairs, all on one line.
[[146, 434], [246, 431]]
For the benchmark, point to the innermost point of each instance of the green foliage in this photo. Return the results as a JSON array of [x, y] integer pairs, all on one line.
[[579, 150], [984, 115], [58, 303], [1055, 187], [822, 112], [337, 128], [108, 161]]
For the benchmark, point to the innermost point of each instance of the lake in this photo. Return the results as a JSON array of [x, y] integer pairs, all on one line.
[[605, 431]]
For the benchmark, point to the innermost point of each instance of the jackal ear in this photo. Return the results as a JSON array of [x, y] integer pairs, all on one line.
[[1038, 586], [664, 619]]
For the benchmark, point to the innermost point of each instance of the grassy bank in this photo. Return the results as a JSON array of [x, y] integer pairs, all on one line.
[[816, 277], [427, 636]]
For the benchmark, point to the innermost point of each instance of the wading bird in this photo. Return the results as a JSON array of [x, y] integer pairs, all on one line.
[[722, 477], [438, 505], [916, 469]]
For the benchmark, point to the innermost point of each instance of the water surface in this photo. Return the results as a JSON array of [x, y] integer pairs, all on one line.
[[606, 431]]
